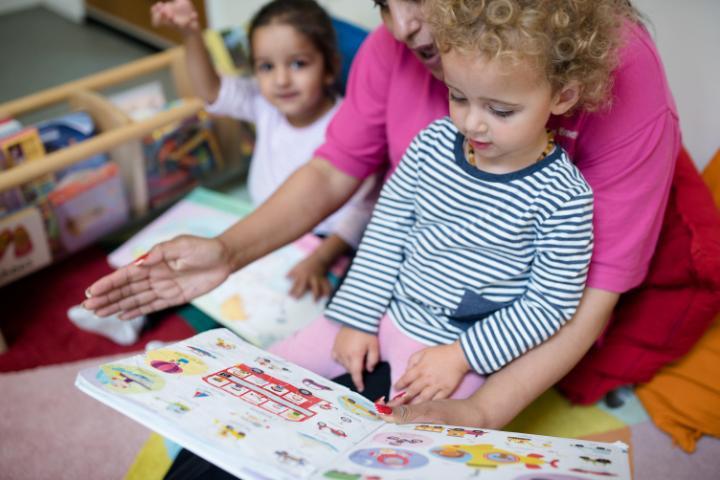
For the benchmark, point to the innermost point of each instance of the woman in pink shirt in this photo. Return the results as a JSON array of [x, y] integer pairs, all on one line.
[[627, 155]]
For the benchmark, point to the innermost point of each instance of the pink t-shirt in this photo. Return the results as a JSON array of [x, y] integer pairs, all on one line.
[[626, 154]]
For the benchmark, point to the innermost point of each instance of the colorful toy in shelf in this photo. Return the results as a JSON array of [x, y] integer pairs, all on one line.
[[178, 156], [89, 204], [67, 130], [23, 244]]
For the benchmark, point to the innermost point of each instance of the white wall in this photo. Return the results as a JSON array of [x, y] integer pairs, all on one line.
[[688, 38], [223, 13], [71, 9]]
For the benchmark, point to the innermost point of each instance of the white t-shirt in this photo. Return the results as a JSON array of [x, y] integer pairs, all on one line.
[[281, 148]]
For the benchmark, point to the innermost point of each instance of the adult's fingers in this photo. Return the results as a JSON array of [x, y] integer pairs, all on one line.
[[117, 294], [110, 282], [123, 276], [428, 412], [127, 305], [105, 311], [138, 300], [144, 309]]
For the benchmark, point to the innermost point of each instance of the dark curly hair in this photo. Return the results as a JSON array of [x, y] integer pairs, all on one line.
[[569, 40]]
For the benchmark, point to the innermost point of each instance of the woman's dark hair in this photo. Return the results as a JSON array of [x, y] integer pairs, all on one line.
[[308, 18]]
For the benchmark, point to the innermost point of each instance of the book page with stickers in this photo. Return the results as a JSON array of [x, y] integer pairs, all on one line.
[[431, 452], [239, 407], [258, 416], [254, 302]]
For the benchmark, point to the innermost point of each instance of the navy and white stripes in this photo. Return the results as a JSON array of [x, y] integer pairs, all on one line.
[[498, 261]]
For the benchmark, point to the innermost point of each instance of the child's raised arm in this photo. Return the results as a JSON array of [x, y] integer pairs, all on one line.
[[181, 15]]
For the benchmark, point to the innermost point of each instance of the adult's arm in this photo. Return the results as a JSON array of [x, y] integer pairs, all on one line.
[[312, 193], [186, 267], [507, 392]]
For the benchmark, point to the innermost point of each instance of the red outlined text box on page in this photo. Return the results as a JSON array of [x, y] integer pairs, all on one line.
[[254, 386]]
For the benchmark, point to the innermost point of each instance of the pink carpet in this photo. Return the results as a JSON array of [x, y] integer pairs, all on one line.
[[50, 429]]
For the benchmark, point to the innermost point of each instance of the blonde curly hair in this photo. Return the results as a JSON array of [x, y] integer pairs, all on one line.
[[569, 40]]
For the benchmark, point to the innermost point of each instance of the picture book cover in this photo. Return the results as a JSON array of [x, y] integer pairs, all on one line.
[[261, 417], [67, 130], [253, 302], [89, 204], [23, 244], [25, 146]]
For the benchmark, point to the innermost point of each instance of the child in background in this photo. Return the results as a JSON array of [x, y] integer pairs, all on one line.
[[291, 99], [479, 246]]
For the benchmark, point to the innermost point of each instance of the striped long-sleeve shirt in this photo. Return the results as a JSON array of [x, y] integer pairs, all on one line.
[[496, 260]]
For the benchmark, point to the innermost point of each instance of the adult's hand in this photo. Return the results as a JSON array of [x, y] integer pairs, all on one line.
[[172, 273], [446, 411]]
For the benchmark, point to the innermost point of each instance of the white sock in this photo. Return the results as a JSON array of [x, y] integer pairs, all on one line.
[[155, 344], [122, 332]]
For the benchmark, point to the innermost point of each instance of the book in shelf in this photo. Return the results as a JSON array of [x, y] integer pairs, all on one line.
[[254, 302], [24, 245], [259, 416]]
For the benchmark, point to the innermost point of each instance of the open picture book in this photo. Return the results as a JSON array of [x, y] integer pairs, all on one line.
[[253, 302], [261, 417]]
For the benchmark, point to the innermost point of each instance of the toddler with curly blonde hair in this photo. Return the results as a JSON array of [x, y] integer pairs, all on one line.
[[479, 246]]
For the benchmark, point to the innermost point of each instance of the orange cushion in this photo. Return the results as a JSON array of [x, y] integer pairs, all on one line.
[[684, 398], [711, 175]]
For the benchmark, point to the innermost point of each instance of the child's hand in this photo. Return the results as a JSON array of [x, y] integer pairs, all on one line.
[[433, 373], [356, 350], [310, 274], [179, 14]]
